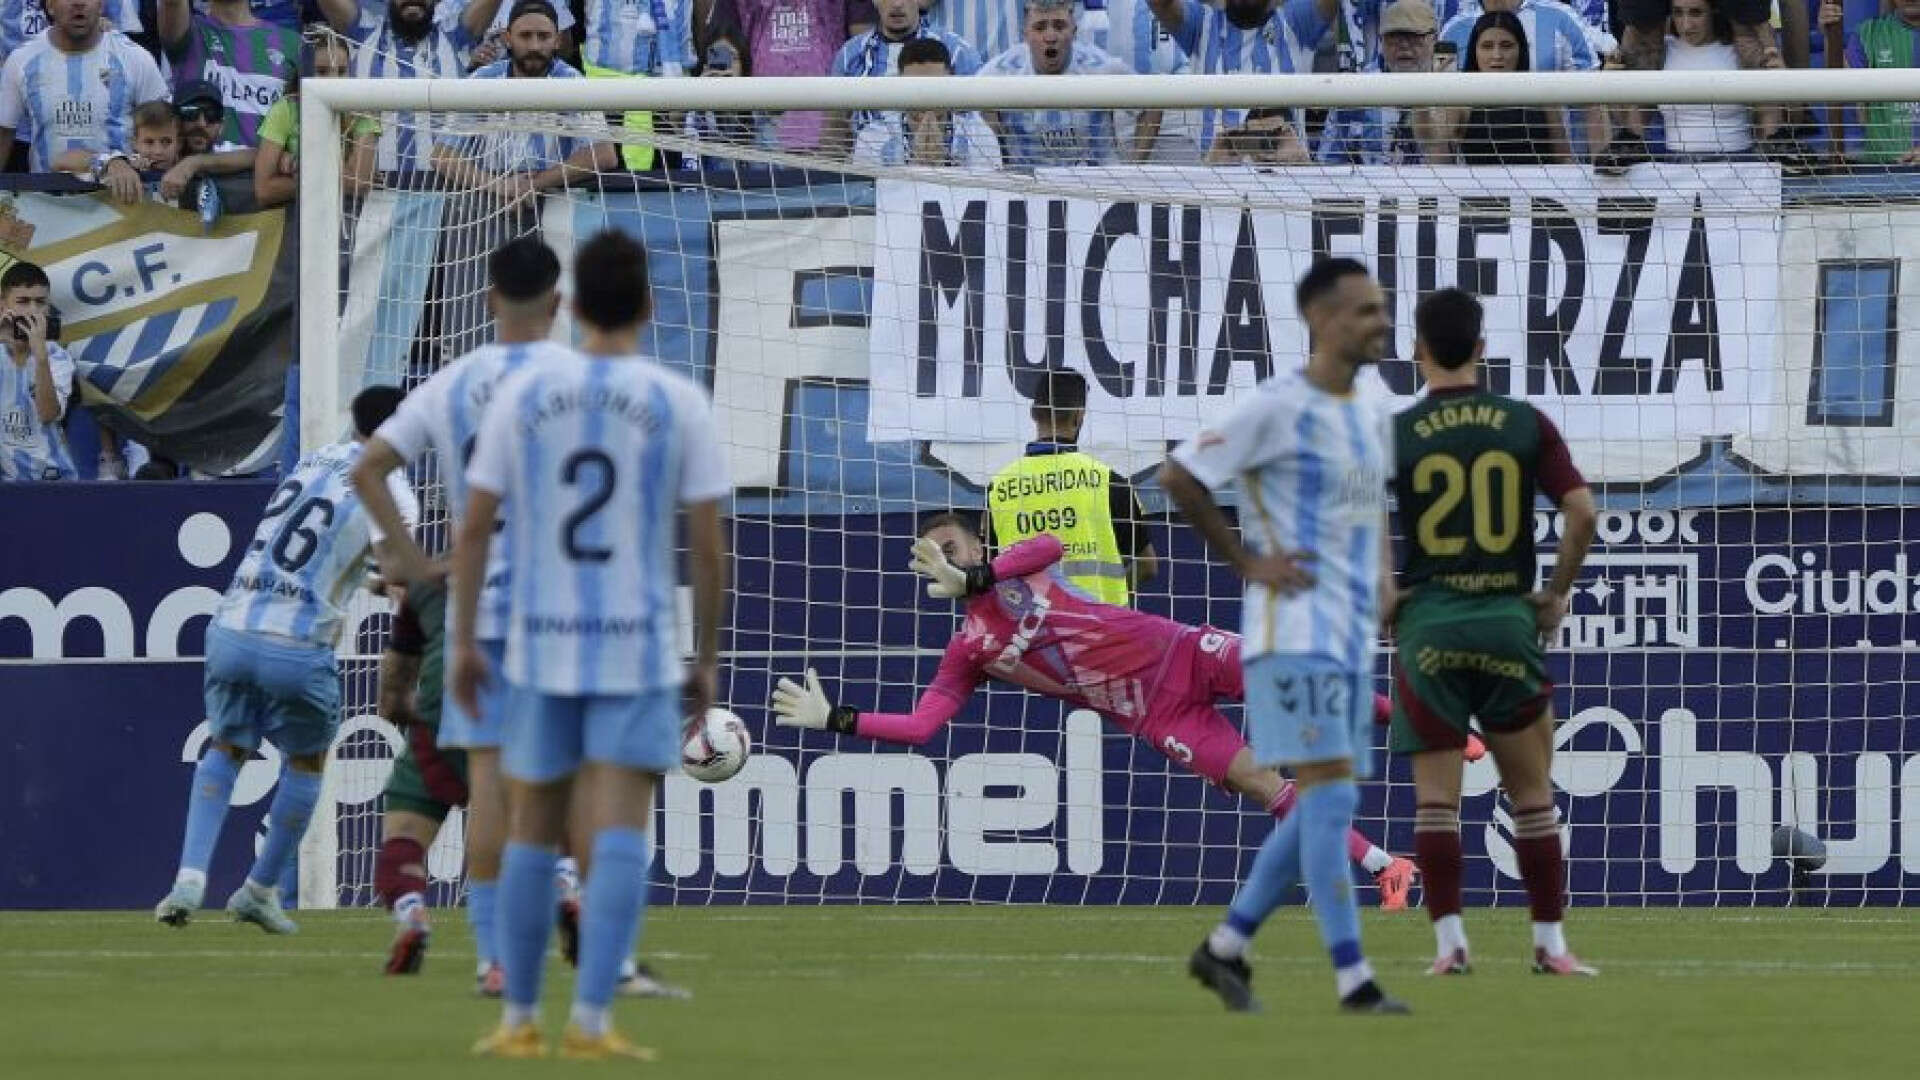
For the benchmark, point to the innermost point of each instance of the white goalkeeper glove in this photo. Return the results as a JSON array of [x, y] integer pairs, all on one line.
[[807, 707], [947, 581]]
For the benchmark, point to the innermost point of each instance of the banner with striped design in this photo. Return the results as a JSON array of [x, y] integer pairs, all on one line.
[[181, 334]]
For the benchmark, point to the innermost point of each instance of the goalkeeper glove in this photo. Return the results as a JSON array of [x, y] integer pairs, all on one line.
[[807, 707], [948, 582]]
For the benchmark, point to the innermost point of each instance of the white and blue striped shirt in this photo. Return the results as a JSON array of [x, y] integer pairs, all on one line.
[[592, 457], [990, 26], [310, 551], [1283, 45], [638, 37], [443, 415], [971, 143], [1369, 136], [871, 54], [23, 20], [531, 145], [407, 138], [1138, 39], [1313, 470], [1037, 138], [74, 101], [29, 449], [1560, 41]]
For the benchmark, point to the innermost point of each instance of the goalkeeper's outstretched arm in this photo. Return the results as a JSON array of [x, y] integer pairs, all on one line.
[[807, 706]]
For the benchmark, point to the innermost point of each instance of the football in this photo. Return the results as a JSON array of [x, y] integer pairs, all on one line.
[[717, 748]]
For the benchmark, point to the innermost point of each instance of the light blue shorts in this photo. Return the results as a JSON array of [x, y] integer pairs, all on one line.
[[1304, 708], [458, 731], [547, 736], [258, 686]]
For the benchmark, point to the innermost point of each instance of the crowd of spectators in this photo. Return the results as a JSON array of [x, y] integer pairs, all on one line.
[[85, 83], [159, 99]]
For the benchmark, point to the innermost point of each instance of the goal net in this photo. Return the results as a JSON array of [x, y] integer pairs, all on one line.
[[1718, 337]]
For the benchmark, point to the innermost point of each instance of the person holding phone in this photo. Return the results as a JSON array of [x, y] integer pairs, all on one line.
[[1265, 137], [1390, 135], [722, 60]]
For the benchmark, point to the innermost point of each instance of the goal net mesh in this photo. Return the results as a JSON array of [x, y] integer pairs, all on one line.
[[1717, 339]]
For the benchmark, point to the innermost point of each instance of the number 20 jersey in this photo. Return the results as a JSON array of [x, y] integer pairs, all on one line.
[[592, 457], [1468, 464], [309, 552]]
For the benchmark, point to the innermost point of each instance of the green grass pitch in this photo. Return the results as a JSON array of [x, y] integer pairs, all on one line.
[[982, 994]]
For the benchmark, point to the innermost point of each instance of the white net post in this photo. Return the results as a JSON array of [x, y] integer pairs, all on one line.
[[1699, 723], [324, 395]]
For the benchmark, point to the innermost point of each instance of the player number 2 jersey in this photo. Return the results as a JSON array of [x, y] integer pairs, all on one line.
[[1313, 470], [593, 456], [309, 552], [444, 414]]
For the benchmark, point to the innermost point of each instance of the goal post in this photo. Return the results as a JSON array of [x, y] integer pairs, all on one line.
[[1720, 343]]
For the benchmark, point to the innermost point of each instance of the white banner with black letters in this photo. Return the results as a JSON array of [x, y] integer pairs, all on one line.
[[1639, 308]]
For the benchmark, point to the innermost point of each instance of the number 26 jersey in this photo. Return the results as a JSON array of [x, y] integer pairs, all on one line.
[[309, 552]]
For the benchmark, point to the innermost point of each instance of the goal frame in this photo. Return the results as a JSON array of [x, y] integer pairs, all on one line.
[[323, 395]]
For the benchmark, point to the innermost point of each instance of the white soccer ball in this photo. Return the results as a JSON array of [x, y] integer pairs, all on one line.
[[717, 748]]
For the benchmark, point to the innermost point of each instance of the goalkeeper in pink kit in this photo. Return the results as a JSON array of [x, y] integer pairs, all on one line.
[[1154, 678]]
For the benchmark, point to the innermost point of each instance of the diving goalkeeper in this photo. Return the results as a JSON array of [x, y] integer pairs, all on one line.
[[1154, 678]]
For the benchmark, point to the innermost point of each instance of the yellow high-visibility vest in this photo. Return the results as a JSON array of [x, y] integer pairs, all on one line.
[[1066, 495]]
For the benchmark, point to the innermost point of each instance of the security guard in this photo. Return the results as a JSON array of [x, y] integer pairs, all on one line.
[[1058, 489]]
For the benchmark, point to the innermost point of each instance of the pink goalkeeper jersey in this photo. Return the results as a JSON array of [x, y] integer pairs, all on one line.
[[1036, 631]]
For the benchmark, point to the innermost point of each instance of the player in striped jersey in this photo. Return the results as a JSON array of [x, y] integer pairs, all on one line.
[[271, 670], [1037, 138], [1267, 37], [1312, 458], [443, 416], [591, 459]]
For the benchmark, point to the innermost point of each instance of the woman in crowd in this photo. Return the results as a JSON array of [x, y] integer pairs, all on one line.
[[1506, 134], [1700, 38]]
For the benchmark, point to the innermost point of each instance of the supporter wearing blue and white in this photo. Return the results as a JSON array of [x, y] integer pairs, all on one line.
[[1389, 135], [935, 137], [512, 164], [36, 381], [1038, 138], [990, 26], [1127, 31], [1252, 37], [75, 88], [1560, 40], [414, 42], [23, 20], [877, 51], [632, 37]]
